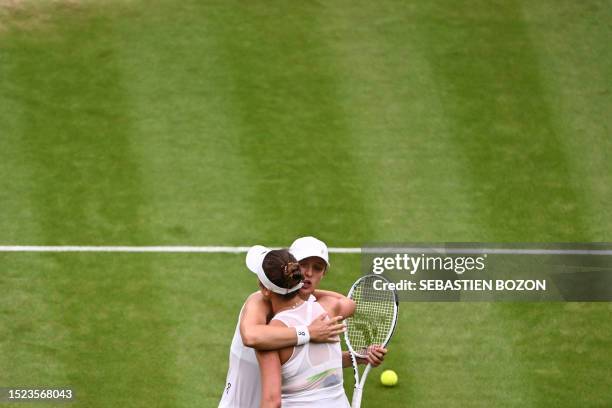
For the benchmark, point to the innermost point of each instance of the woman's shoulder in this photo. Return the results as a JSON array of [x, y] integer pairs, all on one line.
[[333, 306], [327, 303]]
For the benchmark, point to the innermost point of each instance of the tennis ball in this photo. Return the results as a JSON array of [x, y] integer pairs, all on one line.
[[388, 378]]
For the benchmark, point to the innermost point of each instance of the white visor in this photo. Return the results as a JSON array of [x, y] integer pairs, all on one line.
[[254, 261]]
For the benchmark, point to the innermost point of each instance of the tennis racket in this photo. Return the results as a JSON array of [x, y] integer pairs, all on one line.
[[372, 323]]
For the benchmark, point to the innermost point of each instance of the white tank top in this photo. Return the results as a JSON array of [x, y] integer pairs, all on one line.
[[313, 373], [243, 382]]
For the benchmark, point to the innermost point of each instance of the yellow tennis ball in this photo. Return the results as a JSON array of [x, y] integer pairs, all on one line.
[[388, 378]]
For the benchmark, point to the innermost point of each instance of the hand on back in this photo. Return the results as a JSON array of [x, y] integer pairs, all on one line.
[[326, 330]]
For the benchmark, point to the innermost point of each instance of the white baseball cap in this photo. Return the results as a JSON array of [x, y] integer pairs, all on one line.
[[254, 261], [305, 247]]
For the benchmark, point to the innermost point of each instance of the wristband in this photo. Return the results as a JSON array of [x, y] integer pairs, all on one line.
[[303, 336]]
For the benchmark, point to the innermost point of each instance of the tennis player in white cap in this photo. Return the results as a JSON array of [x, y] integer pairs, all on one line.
[[243, 385], [310, 373], [313, 256]]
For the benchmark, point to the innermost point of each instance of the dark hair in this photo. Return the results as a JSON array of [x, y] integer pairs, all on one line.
[[283, 270]]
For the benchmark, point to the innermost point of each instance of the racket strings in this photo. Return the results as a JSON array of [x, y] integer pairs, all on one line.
[[373, 319]]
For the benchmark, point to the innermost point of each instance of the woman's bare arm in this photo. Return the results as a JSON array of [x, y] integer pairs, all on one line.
[[338, 303], [270, 372], [320, 293], [256, 333], [376, 356], [343, 306], [376, 353]]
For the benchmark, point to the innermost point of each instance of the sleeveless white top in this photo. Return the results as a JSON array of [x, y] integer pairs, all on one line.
[[243, 382], [313, 373]]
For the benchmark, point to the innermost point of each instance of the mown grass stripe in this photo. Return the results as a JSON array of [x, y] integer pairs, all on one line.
[[283, 85], [489, 69], [110, 329]]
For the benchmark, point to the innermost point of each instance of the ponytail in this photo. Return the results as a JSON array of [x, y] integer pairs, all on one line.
[[292, 274], [283, 270]]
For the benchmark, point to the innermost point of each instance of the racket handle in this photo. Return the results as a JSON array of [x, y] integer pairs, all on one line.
[[356, 397]]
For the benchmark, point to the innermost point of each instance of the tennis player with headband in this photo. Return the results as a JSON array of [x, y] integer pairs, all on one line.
[[310, 373], [243, 386]]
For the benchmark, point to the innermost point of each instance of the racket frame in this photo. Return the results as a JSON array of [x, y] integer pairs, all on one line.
[[360, 382]]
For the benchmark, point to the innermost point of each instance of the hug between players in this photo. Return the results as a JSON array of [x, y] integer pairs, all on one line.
[[286, 346]]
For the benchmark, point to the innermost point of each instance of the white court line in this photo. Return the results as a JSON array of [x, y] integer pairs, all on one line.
[[243, 249], [160, 249]]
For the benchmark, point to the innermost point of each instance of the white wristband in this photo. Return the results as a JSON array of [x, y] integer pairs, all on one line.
[[303, 335]]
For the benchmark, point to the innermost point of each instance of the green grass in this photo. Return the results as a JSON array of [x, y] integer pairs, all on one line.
[[232, 123]]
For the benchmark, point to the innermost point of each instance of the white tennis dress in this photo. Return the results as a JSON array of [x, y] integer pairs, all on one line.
[[313, 374]]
